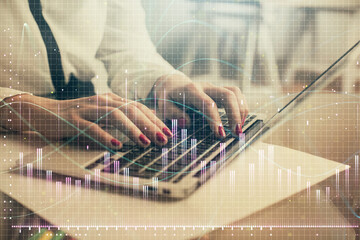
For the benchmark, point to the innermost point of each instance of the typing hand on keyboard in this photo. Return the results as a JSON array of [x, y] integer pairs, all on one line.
[[176, 93], [82, 117]]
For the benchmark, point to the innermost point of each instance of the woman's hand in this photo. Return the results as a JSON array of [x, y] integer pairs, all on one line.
[[203, 96], [65, 119]]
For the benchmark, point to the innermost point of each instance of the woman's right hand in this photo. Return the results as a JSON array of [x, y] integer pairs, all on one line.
[[56, 119]]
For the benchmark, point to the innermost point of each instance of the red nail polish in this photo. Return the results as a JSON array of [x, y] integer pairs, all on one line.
[[238, 129], [160, 137], [144, 139], [115, 142], [182, 122], [167, 132], [222, 131]]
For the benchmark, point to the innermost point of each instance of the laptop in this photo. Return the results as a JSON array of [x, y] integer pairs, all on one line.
[[174, 171]]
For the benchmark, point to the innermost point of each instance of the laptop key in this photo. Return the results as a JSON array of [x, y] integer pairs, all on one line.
[[148, 174], [131, 156], [155, 168], [177, 167]]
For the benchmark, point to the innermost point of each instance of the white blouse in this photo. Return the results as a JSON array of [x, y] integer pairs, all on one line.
[[102, 41]]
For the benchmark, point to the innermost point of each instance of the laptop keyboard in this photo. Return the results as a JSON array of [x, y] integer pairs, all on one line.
[[185, 151]]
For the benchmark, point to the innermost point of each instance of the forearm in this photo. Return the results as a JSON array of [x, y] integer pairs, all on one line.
[[8, 96], [15, 112]]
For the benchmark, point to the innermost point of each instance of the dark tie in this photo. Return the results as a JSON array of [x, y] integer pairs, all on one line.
[[74, 88]]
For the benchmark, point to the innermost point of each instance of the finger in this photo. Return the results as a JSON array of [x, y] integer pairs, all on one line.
[[152, 116], [229, 101], [244, 109], [150, 129], [153, 127], [95, 134], [198, 98], [117, 119], [170, 111], [145, 128]]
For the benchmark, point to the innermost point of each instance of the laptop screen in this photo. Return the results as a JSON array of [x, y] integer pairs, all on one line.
[[342, 68], [323, 118]]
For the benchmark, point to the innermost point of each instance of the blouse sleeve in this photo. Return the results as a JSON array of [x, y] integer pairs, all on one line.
[[128, 53]]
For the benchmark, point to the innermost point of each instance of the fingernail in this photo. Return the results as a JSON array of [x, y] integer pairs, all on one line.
[[238, 129], [160, 137], [222, 131], [144, 139], [115, 142], [167, 132], [182, 122]]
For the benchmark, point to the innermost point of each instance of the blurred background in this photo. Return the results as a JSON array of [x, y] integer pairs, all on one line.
[[269, 49]]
